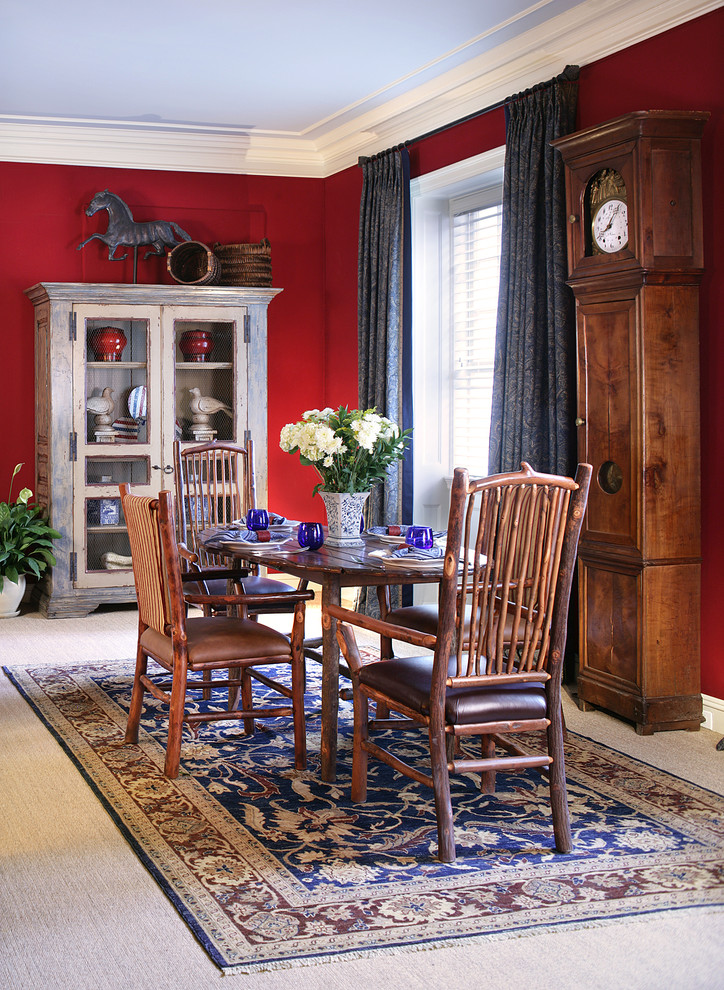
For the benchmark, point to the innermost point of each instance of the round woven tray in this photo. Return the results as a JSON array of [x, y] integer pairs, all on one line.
[[193, 263]]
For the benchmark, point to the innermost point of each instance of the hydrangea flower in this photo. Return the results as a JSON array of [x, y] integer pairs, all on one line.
[[350, 450]]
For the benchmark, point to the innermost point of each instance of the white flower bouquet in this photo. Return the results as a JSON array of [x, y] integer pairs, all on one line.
[[350, 450]]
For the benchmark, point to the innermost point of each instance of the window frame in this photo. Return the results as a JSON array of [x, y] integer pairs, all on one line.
[[431, 197]]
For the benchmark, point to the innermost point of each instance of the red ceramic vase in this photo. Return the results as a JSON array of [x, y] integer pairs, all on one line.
[[196, 345], [107, 343]]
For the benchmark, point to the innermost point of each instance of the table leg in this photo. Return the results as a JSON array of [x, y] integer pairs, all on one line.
[[331, 595]]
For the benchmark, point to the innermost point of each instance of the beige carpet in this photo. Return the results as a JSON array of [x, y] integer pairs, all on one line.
[[79, 911]]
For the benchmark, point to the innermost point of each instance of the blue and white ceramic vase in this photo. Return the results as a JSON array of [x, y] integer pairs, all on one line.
[[344, 515]]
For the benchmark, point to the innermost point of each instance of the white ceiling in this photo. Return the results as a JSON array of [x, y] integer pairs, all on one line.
[[281, 87]]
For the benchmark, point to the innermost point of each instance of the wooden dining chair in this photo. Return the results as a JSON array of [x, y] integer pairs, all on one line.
[[215, 486], [182, 646], [497, 650]]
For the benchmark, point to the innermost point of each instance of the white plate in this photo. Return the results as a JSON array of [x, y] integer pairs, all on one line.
[[409, 563], [276, 539], [412, 563], [385, 538]]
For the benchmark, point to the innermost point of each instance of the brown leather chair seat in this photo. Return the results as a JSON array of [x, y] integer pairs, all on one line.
[[218, 641], [408, 680], [424, 619], [251, 584]]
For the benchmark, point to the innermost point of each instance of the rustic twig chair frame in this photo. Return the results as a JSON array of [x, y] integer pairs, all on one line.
[[215, 486], [498, 649]]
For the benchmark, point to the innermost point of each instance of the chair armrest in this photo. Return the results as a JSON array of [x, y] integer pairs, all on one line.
[[424, 640], [212, 574], [186, 555], [286, 597], [192, 569]]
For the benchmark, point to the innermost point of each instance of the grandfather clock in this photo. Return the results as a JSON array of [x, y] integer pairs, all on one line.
[[633, 188]]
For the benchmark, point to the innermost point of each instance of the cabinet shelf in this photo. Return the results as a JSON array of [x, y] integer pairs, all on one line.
[[204, 365], [120, 365]]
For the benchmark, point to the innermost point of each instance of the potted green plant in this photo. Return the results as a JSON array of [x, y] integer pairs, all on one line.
[[26, 545]]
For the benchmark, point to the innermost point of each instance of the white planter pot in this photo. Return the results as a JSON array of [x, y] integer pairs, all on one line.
[[10, 597], [344, 515]]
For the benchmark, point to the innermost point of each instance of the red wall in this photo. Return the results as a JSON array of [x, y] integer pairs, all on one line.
[[43, 221], [312, 225]]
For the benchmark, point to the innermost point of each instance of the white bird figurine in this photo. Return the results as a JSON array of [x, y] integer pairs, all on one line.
[[204, 406], [102, 406]]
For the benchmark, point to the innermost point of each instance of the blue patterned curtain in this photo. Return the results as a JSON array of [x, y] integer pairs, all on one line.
[[534, 383], [383, 313]]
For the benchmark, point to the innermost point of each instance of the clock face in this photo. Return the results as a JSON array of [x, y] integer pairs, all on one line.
[[610, 226]]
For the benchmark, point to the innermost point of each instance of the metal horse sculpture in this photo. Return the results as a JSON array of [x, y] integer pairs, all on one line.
[[123, 230]]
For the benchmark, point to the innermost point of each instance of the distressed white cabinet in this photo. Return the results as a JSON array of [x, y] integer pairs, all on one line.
[[114, 369]]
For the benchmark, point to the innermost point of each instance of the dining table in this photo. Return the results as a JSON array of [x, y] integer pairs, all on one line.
[[371, 564]]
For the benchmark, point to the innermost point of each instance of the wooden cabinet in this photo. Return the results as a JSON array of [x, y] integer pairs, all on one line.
[[115, 369], [638, 414]]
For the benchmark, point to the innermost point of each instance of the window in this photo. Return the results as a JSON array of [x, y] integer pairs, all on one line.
[[456, 219], [476, 236]]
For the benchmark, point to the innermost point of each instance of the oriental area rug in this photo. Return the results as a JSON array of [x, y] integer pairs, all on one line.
[[271, 867]]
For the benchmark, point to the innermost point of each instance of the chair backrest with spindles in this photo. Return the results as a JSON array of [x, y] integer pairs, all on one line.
[[512, 544], [214, 487]]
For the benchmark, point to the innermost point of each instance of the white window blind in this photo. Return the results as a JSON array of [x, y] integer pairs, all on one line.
[[476, 239]]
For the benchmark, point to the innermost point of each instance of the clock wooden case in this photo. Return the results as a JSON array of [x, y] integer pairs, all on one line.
[[637, 323]]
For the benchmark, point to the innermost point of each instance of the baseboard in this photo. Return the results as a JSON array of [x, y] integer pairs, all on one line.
[[713, 713]]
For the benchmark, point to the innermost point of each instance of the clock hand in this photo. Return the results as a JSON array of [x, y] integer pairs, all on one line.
[[613, 217]]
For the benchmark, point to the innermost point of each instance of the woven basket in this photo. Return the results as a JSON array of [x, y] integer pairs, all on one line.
[[245, 264], [193, 263]]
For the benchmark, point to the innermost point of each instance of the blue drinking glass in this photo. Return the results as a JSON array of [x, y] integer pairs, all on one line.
[[310, 535], [257, 519], [419, 537]]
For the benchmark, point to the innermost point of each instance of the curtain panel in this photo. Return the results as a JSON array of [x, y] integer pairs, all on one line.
[[383, 314], [534, 380]]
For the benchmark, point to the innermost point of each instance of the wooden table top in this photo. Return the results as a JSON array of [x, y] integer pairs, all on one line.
[[350, 566]]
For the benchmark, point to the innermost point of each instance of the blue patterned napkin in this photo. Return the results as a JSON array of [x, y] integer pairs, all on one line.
[[417, 553], [274, 520], [241, 536]]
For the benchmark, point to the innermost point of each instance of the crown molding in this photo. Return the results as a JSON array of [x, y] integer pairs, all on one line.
[[105, 144], [586, 33]]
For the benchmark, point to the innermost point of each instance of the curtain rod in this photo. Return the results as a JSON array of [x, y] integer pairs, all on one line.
[[437, 130], [569, 74], [460, 120]]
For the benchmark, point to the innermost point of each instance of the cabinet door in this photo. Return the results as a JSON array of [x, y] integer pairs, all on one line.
[[608, 403], [205, 375], [117, 422]]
